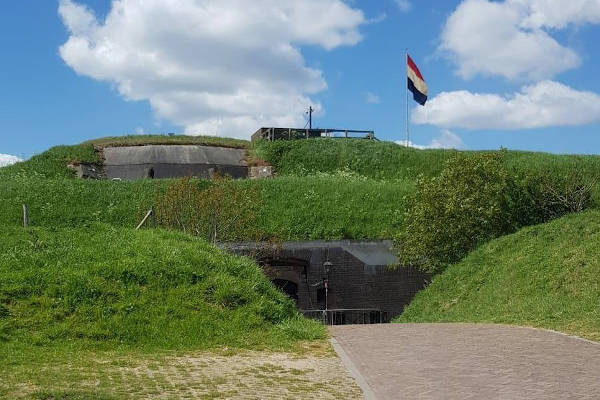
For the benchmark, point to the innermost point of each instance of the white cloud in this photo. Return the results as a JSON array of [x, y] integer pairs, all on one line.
[[559, 14], [543, 104], [446, 140], [212, 66], [7, 159], [513, 38], [372, 98], [403, 5]]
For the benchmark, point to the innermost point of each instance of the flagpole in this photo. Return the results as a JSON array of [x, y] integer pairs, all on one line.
[[407, 133]]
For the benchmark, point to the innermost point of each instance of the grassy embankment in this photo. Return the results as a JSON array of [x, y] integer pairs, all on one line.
[[321, 206], [64, 303], [545, 276], [82, 289], [77, 304], [327, 188]]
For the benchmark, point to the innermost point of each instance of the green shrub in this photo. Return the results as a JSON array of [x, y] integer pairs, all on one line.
[[219, 211], [476, 198], [450, 214], [551, 193]]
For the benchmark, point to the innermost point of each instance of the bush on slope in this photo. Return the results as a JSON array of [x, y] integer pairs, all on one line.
[[543, 276]]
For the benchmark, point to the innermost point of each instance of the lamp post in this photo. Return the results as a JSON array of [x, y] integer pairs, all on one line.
[[327, 267]]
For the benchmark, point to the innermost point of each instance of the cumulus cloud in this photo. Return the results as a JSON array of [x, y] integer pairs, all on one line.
[[513, 38], [7, 159], [543, 104], [446, 140], [372, 98], [559, 14], [403, 5], [212, 66]]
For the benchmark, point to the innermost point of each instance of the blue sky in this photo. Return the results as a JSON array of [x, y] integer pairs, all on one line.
[[521, 74]]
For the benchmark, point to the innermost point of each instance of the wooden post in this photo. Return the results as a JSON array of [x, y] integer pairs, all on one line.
[[25, 216], [145, 219]]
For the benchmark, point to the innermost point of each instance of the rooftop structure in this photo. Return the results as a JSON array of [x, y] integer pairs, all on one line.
[[295, 133]]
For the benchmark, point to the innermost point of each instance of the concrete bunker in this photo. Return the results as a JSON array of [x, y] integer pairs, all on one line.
[[340, 282], [173, 161]]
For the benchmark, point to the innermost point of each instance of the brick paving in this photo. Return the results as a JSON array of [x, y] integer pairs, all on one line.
[[471, 361]]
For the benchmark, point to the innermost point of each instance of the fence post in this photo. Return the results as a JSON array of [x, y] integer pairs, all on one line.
[[25, 216]]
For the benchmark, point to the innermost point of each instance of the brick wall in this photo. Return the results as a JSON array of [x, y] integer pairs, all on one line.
[[352, 283]]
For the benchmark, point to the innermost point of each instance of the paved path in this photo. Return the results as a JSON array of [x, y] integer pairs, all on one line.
[[471, 361]]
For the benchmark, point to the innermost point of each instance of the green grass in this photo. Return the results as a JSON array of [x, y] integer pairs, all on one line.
[[544, 276], [315, 207], [327, 189], [321, 206], [372, 159], [386, 160], [108, 286], [338, 206], [65, 202], [52, 163], [138, 140]]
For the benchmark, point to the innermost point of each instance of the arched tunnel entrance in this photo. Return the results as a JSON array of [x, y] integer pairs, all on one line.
[[290, 275], [287, 287]]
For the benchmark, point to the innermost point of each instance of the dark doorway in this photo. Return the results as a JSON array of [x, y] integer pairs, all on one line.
[[287, 287], [151, 173]]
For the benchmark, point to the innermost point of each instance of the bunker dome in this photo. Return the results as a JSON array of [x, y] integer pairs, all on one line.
[[173, 161]]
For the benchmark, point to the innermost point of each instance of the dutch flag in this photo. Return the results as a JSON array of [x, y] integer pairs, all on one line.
[[416, 83]]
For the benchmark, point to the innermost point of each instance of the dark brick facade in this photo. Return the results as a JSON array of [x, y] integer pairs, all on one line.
[[359, 276]]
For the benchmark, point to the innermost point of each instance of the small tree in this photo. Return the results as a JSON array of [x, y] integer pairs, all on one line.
[[223, 211], [476, 198], [450, 214]]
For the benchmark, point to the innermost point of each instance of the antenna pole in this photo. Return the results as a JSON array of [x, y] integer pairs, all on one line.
[[310, 111]]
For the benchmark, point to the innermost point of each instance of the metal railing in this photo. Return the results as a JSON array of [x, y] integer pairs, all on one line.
[[359, 316]]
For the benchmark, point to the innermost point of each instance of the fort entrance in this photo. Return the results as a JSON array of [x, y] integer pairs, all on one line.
[[338, 282]]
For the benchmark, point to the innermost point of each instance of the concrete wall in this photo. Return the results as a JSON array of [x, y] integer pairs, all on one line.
[[173, 161], [162, 171]]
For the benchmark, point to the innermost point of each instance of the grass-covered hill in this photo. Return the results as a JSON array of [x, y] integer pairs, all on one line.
[[389, 161], [106, 286], [326, 189], [334, 205], [543, 276]]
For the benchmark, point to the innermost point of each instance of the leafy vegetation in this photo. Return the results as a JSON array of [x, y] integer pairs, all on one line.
[[476, 198], [153, 289], [221, 212], [545, 276]]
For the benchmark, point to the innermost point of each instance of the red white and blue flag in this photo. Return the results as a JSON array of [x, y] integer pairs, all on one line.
[[416, 83]]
